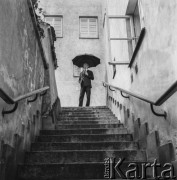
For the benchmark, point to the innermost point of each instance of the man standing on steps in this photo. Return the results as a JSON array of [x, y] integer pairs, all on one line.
[[85, 80]]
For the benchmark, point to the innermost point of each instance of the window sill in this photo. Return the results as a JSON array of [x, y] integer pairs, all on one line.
[[138, 45], [119, 63], [88, 37]]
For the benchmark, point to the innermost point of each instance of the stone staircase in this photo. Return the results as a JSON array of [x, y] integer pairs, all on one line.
[[78, 146]]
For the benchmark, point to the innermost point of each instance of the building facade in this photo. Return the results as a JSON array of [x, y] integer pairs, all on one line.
[[151, 66], [26, 66], [146, 67], [79, 29]]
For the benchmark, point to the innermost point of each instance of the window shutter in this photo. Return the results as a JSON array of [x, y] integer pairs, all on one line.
[[84, 27], [56, 22], [88, 28], [93, 27], [58, 26]]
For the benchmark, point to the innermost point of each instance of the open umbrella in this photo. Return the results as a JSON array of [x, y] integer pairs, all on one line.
[[91, 60]]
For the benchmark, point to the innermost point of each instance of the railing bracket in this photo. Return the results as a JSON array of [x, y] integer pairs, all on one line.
[[111, 89], [10, 111], [157, 114], [36, 96], [124, 95], [43, 94], [104, 84]]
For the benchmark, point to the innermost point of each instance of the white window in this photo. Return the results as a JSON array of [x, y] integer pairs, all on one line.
[[135, 27], [76, 71], [133, 10], [131, 29], [57, 23], [88, 27]]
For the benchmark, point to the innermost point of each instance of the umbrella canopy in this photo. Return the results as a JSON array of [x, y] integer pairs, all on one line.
[[91, 60]]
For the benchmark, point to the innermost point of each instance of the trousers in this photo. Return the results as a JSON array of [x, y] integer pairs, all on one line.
[[87, 90]]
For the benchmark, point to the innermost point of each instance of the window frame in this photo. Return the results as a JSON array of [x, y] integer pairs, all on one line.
[[132, 47], [131, 8], [76, 72], [137, 8], [89, 17], [135, 44], [46, 15]]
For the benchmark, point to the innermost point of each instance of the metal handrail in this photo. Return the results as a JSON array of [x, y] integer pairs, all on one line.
[[158, 102], [38, 91], [10, 100], [129, 93]]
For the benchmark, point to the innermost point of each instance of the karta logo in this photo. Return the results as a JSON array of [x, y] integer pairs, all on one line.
[[137, 170]]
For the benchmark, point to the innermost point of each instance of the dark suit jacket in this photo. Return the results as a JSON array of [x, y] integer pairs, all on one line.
[[87, 79]]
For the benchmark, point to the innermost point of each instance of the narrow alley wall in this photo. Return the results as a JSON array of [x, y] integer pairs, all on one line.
[[51, 99], [70, 46], [154, 69], [22, 70]]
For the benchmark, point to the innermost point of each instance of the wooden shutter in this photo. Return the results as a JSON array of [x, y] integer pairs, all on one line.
[[84, 31], [88, 28], [93, 30], [58, 26], [56, 22]]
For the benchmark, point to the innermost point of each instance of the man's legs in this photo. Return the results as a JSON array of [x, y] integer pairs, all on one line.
[[88, 92], [81, 97]]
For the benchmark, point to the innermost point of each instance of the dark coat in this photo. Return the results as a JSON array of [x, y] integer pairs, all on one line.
[[87, 79]]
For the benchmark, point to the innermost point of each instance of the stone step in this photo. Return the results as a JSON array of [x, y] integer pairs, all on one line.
[[71, 171], [88, 118], [81, 126], [84, 108], [85, 131], [114, 145], [85, 138], [74, 122], [86, 113], [70, 156]]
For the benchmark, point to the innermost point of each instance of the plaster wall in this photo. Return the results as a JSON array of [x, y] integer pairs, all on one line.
[[21, 71], [157, 66], [68, 47], [47, 43]]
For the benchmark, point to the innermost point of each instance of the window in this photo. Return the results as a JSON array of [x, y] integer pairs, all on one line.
[[127, 32], [133, 10], [76, 71], [136, 23], [88, 27], [135, 27], [57, 23]]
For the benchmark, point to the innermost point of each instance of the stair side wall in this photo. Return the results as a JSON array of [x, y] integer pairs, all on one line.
[[22, 70], [154, 69]]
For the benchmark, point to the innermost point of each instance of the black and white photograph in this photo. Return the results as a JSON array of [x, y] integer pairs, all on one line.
[[88, 89]]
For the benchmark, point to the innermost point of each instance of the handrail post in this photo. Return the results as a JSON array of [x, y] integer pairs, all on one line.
[[124, 95], [43, 94], [104, 84], [158, 114], [36, 96], [111, 89], [10, 111], [15, 101]]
